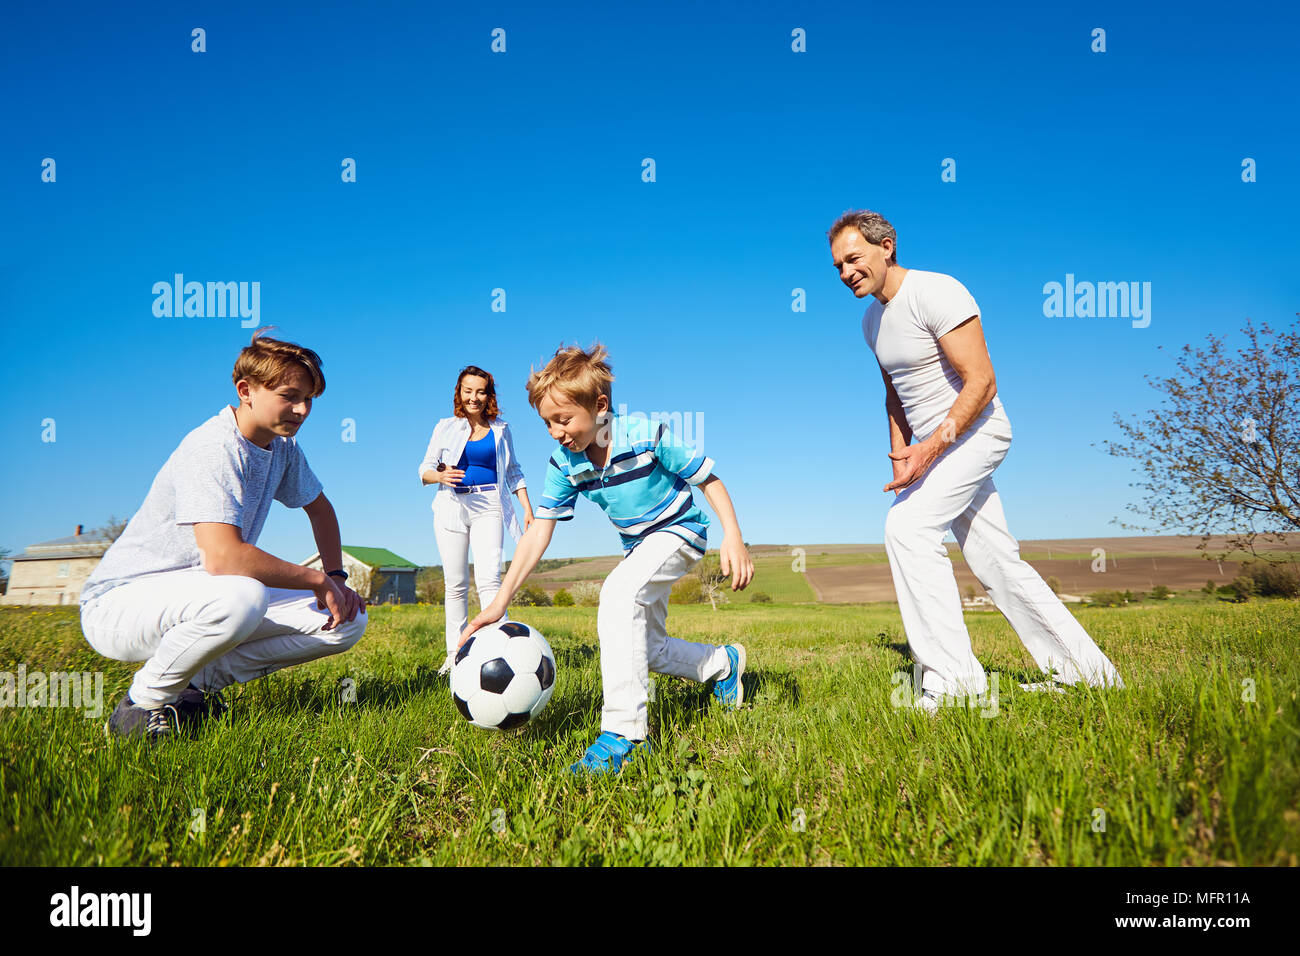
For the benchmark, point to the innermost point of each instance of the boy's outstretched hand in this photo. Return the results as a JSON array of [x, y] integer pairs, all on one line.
[[489, 615], [733, 559]]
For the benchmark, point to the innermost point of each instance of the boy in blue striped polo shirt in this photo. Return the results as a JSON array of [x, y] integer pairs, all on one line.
[[640, 474]]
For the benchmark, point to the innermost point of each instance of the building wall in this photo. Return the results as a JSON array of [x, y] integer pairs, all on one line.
[[48, 580]]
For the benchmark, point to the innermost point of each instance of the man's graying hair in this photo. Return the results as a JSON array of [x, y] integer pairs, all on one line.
[[873, 226]]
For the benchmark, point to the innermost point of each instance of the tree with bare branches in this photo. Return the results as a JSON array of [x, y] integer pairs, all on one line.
[[1222, 453]]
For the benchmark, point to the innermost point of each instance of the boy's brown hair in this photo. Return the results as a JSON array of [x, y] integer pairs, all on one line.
[[266, 362], [579, 375]]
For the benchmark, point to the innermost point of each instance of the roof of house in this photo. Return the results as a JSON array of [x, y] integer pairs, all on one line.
[[375, 557], [379, 557], [90, 545]]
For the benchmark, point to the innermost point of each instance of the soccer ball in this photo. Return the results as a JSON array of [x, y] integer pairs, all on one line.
[[503, 676]]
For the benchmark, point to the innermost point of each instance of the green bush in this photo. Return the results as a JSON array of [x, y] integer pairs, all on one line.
[[1161, 593], [686, 591], [1053, 582], [586, 594], [760, 597], [532, 595], [1272, 579], [1240, 590], [563, 598], [1106, 598], [1210, 587]]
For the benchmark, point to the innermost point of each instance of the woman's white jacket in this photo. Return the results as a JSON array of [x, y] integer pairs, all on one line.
[[448, 442]]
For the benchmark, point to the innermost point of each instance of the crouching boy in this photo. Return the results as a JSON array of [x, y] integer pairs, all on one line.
[[640, 474], [185, 590]]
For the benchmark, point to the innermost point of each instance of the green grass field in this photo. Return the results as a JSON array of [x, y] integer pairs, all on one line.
[[1196, 762]]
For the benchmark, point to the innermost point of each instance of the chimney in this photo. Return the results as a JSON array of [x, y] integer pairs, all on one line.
[[78, 534]]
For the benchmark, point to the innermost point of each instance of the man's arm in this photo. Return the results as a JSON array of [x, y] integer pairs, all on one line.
[[900, 433], [968, 354]]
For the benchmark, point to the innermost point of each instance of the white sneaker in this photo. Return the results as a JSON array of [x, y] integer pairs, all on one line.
[[447, 665], [927, 702]]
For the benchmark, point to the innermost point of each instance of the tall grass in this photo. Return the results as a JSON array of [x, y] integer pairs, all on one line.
[[1196, 762]]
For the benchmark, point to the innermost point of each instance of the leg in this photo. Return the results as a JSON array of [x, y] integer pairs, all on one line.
[[485, 537], [1053, 635], [292, 632], [928, 599], [633, 604], [453, 548], [176, 622]]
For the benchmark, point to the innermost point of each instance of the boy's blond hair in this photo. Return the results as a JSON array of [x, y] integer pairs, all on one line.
[[266, 362], [579, 375]]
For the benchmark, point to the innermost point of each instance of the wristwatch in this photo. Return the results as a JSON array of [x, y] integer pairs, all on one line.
[[340, 574]]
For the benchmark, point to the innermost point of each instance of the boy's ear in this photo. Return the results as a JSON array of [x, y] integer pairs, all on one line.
[[242, 389], [602, 403]]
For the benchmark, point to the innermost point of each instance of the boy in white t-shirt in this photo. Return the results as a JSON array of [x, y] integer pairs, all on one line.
[[924, 329], [185, 591]]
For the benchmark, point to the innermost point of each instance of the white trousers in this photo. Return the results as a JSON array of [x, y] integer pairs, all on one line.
[[633, 641], [210, 630], [957, 493], [479, 513]]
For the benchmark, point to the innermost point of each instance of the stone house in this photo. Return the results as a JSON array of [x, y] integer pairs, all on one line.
[[53, 572]]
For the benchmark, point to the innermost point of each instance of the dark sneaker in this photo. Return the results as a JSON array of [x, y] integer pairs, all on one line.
[[194, 706], [128, 720]]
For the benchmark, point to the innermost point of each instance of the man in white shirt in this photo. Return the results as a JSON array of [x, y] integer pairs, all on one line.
[[924, 329]]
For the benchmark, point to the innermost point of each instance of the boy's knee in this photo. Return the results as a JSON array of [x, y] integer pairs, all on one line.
[[347, 633], [238, 604]]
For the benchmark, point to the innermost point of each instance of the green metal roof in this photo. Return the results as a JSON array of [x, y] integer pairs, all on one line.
[[379, 557]]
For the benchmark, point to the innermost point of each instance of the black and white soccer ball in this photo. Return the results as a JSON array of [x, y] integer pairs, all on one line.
[[503, 676]]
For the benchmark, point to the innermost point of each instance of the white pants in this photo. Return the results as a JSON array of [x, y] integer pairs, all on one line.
[[633, 642], [957, 493], [479, 513], [210, 630]]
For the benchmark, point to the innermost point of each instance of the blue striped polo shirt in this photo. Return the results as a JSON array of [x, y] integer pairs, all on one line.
[[644, 487]]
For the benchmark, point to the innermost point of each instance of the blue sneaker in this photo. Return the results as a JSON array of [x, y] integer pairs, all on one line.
[[729, 690], [609, 753]]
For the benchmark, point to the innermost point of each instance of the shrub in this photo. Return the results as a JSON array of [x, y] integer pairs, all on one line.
[[430, 587], [1106, 598], [760, 597], [1161, 593], [1240, 590], [1053, 582], [532, 595], [563, 598], [686, 591], [1272, 579], [1210, 587], [586, 594]]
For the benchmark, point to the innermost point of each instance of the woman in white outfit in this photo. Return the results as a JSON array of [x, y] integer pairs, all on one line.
[[471, 458]]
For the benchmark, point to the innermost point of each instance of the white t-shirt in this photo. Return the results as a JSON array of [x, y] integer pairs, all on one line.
[[904, 335], [214, 475]]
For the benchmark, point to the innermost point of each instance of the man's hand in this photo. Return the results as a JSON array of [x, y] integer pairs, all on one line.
[[912, 462], [341, 602], [733, 559], [489, 615]]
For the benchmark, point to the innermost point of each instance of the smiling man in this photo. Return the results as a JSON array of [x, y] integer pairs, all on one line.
[[186, 591], [924, 329]]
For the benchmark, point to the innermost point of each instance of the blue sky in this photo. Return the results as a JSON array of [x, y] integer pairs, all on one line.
[[523, 171]]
